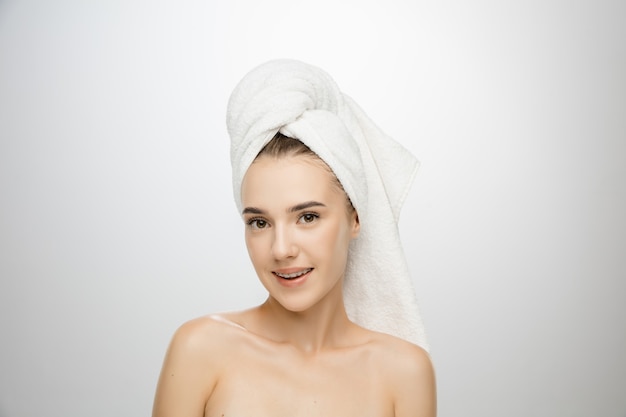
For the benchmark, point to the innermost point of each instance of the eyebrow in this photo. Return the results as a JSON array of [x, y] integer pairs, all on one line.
[[252, 210], [297, 207], [308, 204]]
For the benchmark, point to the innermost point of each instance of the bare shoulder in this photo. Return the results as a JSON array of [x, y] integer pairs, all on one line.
[[206, 332], [403, 357], [198, 339], [197, 354], [410, 375]]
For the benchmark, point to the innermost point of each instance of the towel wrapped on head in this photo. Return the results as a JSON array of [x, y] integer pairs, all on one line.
[[302, 101]]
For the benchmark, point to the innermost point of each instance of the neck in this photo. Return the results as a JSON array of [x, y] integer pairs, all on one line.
[[321, 327]]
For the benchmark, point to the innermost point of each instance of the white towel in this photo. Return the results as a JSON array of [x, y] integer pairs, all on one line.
[[303, 102]]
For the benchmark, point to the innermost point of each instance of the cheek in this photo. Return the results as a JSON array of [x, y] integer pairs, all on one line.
[[256, 248], [332, 241]]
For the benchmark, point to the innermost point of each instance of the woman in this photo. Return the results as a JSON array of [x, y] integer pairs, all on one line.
[[317, 229]]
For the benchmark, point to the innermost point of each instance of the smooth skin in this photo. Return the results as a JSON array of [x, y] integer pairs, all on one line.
[[297, 354]]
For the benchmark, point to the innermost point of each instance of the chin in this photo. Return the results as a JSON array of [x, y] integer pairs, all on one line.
[[295, 306], [297, 303], [300, 303]]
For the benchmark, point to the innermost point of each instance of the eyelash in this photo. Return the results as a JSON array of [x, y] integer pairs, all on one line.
[[254, 222], [314, 216]]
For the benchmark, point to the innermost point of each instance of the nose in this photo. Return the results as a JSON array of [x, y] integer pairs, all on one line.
[[284, 245]]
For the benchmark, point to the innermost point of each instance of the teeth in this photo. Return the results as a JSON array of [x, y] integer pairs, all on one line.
[[294, 275]]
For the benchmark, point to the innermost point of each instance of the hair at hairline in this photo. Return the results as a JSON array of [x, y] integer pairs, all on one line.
[[282, 146]]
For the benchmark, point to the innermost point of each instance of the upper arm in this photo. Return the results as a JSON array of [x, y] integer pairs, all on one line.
[[414, 385], [187, 377]]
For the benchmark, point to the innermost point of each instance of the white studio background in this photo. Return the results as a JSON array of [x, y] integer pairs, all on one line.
[[117, 222]]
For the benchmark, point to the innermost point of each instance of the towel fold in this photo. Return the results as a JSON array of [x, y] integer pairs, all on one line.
[[303, 102]]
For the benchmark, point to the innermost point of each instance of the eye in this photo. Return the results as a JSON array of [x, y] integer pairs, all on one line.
[[308, 218], [257, 223]]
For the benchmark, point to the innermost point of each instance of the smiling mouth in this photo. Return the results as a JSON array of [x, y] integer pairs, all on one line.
[[293, 275]]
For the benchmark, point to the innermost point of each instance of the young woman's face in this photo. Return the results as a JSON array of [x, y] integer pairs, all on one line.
[[298, 229]]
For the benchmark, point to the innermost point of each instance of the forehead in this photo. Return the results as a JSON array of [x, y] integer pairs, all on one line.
[[288, 180]]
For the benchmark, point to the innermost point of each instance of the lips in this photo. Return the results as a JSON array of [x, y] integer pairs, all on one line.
[[289, 275]]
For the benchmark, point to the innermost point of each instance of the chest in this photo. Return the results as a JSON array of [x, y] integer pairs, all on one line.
[[278, 387]]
